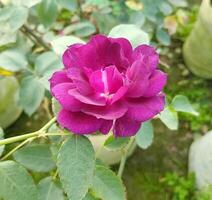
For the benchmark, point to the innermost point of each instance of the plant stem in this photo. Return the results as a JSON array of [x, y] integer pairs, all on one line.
[[124, 156], [41, 132], [164, 64], [18, 147], [38, 39]]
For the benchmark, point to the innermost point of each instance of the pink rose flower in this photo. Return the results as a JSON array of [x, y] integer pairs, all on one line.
[[106, 84]]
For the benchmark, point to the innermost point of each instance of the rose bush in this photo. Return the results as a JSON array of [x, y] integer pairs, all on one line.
[[106, 84]]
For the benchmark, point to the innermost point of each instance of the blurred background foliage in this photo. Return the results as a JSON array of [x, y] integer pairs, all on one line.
[[33, 35]]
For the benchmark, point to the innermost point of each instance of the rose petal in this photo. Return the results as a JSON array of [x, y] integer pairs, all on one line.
[[106, 126], [78, 122], [60, 92], [143, 109], [157, 82], [147, 55], [109, 112], [138, 76], [93, 99], [126, 127], [58, 77], [71, 57], [80, 80]]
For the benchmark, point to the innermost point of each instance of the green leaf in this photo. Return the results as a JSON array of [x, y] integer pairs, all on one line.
[[61, 43], [47, 12], [1, 137], [76, 163], [13, 60], [179, 3], [36, 157], [169, 117], [114, 143], [18, 18], [81, 29], [181, 104], [163, 37], [89, 197], [107, 185], [165, 8], [47, 63], [9, 97], [26, 3], [131, 32], [31, 94], [49, 190], [16, 183], [68, 4], [145, 135]]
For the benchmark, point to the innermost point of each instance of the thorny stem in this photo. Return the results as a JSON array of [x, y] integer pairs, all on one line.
[[124, 156]]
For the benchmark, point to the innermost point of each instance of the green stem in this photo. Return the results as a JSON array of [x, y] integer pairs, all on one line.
[[18, 147], [38, 39], [164, 64], [29, 135], [124, 156]]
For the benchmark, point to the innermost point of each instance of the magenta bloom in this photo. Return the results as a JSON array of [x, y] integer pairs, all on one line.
[[107, 85]]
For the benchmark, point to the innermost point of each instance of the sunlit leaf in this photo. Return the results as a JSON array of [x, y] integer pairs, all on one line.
[[61, 43], [13, 60], [131, 32], [145, 135], [181, 104], [169, 117]]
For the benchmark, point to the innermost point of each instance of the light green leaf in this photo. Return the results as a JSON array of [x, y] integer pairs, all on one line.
[[165, 8], [36, 157], [131, 32], [26, 3], [13, 60], [18, 18], [145, 135], [9, 97], [6, 35], [107, 185], [169, 117], [16, 183], [89, 197], [114, 143], [31, 94], [47, 12], [68, 4], [76, 163], [47, 63], [179, 3], [49, 190], [1, 137], [60, 44], [181, 104], [81, 29], [163, 37]]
